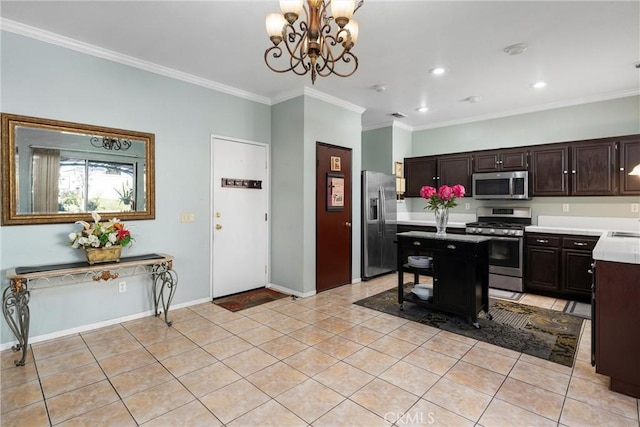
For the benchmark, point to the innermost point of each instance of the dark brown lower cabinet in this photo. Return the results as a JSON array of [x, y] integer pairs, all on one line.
[[617, 316], [559, 265]]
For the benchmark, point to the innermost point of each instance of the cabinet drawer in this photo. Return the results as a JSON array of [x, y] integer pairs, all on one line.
[[579, 242], [543, 240]]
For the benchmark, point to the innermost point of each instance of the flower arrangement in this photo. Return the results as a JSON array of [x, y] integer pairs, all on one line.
[[444, 197], [100, 234]]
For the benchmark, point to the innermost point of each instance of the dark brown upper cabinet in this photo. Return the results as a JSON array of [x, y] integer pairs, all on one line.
[[514, 159], [434, 171], [456, 169], [549, 170], [418, 172], [593, 168], [628, 158]]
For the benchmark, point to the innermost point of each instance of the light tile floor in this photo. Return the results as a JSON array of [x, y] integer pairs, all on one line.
[[319, 361]]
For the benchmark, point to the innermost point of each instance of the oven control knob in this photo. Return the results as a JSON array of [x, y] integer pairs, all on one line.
[[492, 231], [512, 232], [506, 231]]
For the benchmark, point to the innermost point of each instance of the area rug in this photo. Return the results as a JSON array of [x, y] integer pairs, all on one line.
[[578, 309], [244, 300], [547, 334], [502, 294]]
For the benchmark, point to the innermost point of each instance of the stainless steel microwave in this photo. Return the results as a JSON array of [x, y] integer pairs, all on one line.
[[501, 185]]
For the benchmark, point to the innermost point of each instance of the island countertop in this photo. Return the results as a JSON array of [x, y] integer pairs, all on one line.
[[449, 237]]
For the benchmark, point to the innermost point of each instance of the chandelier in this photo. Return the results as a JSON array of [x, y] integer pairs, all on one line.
[[314, 45]]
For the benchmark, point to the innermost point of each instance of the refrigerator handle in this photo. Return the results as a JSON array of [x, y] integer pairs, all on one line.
[[383, 210]]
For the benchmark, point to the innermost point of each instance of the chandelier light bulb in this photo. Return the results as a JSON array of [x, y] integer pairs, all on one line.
[[352, 27], [274, 23], [291, 9], [342, 11]]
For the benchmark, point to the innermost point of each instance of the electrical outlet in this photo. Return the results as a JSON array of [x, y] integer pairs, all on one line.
[[122, 287], [634, 207], [467, 206], [565, 207]]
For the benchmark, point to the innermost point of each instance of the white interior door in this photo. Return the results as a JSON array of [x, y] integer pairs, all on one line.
[[240, 227]]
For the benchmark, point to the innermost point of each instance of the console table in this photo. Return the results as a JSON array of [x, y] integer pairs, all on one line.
[[23, 280], [460, 272]]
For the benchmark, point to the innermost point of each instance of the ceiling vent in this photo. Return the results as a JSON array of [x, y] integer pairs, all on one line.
[[398, 115]]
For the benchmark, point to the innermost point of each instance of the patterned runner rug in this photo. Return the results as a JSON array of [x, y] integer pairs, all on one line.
[[548, 334], [244, 300]]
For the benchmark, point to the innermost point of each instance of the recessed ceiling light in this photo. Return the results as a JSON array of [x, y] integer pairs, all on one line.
[[515, 49], [637, 64], [379, 88], [538, 85], [438, 71], [472, 99], [422, 109]]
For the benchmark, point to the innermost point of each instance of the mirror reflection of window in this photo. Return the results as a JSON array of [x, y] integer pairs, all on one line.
[[88, 185]]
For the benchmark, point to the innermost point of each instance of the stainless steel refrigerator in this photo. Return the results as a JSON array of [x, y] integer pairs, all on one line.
[[379, 225]]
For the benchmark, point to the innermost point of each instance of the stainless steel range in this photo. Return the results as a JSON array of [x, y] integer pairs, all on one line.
[[506, 249]]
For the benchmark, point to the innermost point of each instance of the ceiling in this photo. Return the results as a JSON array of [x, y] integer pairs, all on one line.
[[585, 51]]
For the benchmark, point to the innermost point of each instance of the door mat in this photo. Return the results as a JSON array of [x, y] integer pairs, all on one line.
[[502, 294], [244, 300], [578, 309], [548, 334]]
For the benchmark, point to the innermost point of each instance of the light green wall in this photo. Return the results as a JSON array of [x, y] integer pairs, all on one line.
[[595, 120], [345, 131], [287, 192], [298, 124], [44, 80], [377, 150]]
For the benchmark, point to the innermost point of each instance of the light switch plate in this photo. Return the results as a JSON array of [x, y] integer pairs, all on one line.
[[187, 217], [565, 207], [634, 207]]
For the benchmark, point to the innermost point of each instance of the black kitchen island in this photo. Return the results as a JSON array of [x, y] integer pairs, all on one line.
[[460, 271]]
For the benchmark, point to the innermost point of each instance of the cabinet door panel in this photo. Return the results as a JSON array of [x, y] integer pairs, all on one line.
[[454, 170], [543, 268], [592, 170], [419, 171], [576, 266], [514, 160], [629, 157], [486, 162], [549, 171]]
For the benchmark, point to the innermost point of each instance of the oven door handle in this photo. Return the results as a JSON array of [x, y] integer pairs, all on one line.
[[510, 239]]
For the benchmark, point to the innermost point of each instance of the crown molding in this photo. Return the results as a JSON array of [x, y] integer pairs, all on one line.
[[313, 93], [389, 123], [535, 109], [86, 48]]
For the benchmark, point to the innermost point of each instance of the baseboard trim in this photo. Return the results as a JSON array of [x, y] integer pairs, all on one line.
[[98, 325], [286, 290]]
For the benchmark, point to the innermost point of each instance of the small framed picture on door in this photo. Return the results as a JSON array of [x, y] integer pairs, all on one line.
[[335, 192]]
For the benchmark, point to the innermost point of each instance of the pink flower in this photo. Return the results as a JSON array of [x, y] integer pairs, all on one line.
[[458, 190], [445, 192], [426, 192]]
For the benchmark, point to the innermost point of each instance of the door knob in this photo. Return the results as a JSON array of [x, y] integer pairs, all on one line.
[[347, 224], [218, 227]]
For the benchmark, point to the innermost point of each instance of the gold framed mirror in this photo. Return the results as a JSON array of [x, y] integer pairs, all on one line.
[[60, 172]]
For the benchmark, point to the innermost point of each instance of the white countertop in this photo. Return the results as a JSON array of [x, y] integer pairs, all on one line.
[[617, 249], [427, 218], [585, 226]]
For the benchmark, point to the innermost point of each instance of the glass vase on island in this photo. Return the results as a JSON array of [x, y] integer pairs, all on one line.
[[439, 201]]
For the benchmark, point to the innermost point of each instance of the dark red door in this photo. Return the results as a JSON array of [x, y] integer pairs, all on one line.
[[333, 216]]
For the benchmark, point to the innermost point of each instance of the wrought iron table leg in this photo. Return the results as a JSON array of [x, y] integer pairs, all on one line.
[[165, 282], [15, 308]]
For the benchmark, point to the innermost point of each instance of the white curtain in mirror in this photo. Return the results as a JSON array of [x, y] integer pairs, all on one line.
[[46, 172]]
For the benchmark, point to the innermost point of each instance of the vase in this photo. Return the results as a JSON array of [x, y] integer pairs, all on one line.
[[442, 217], [97, 255]]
